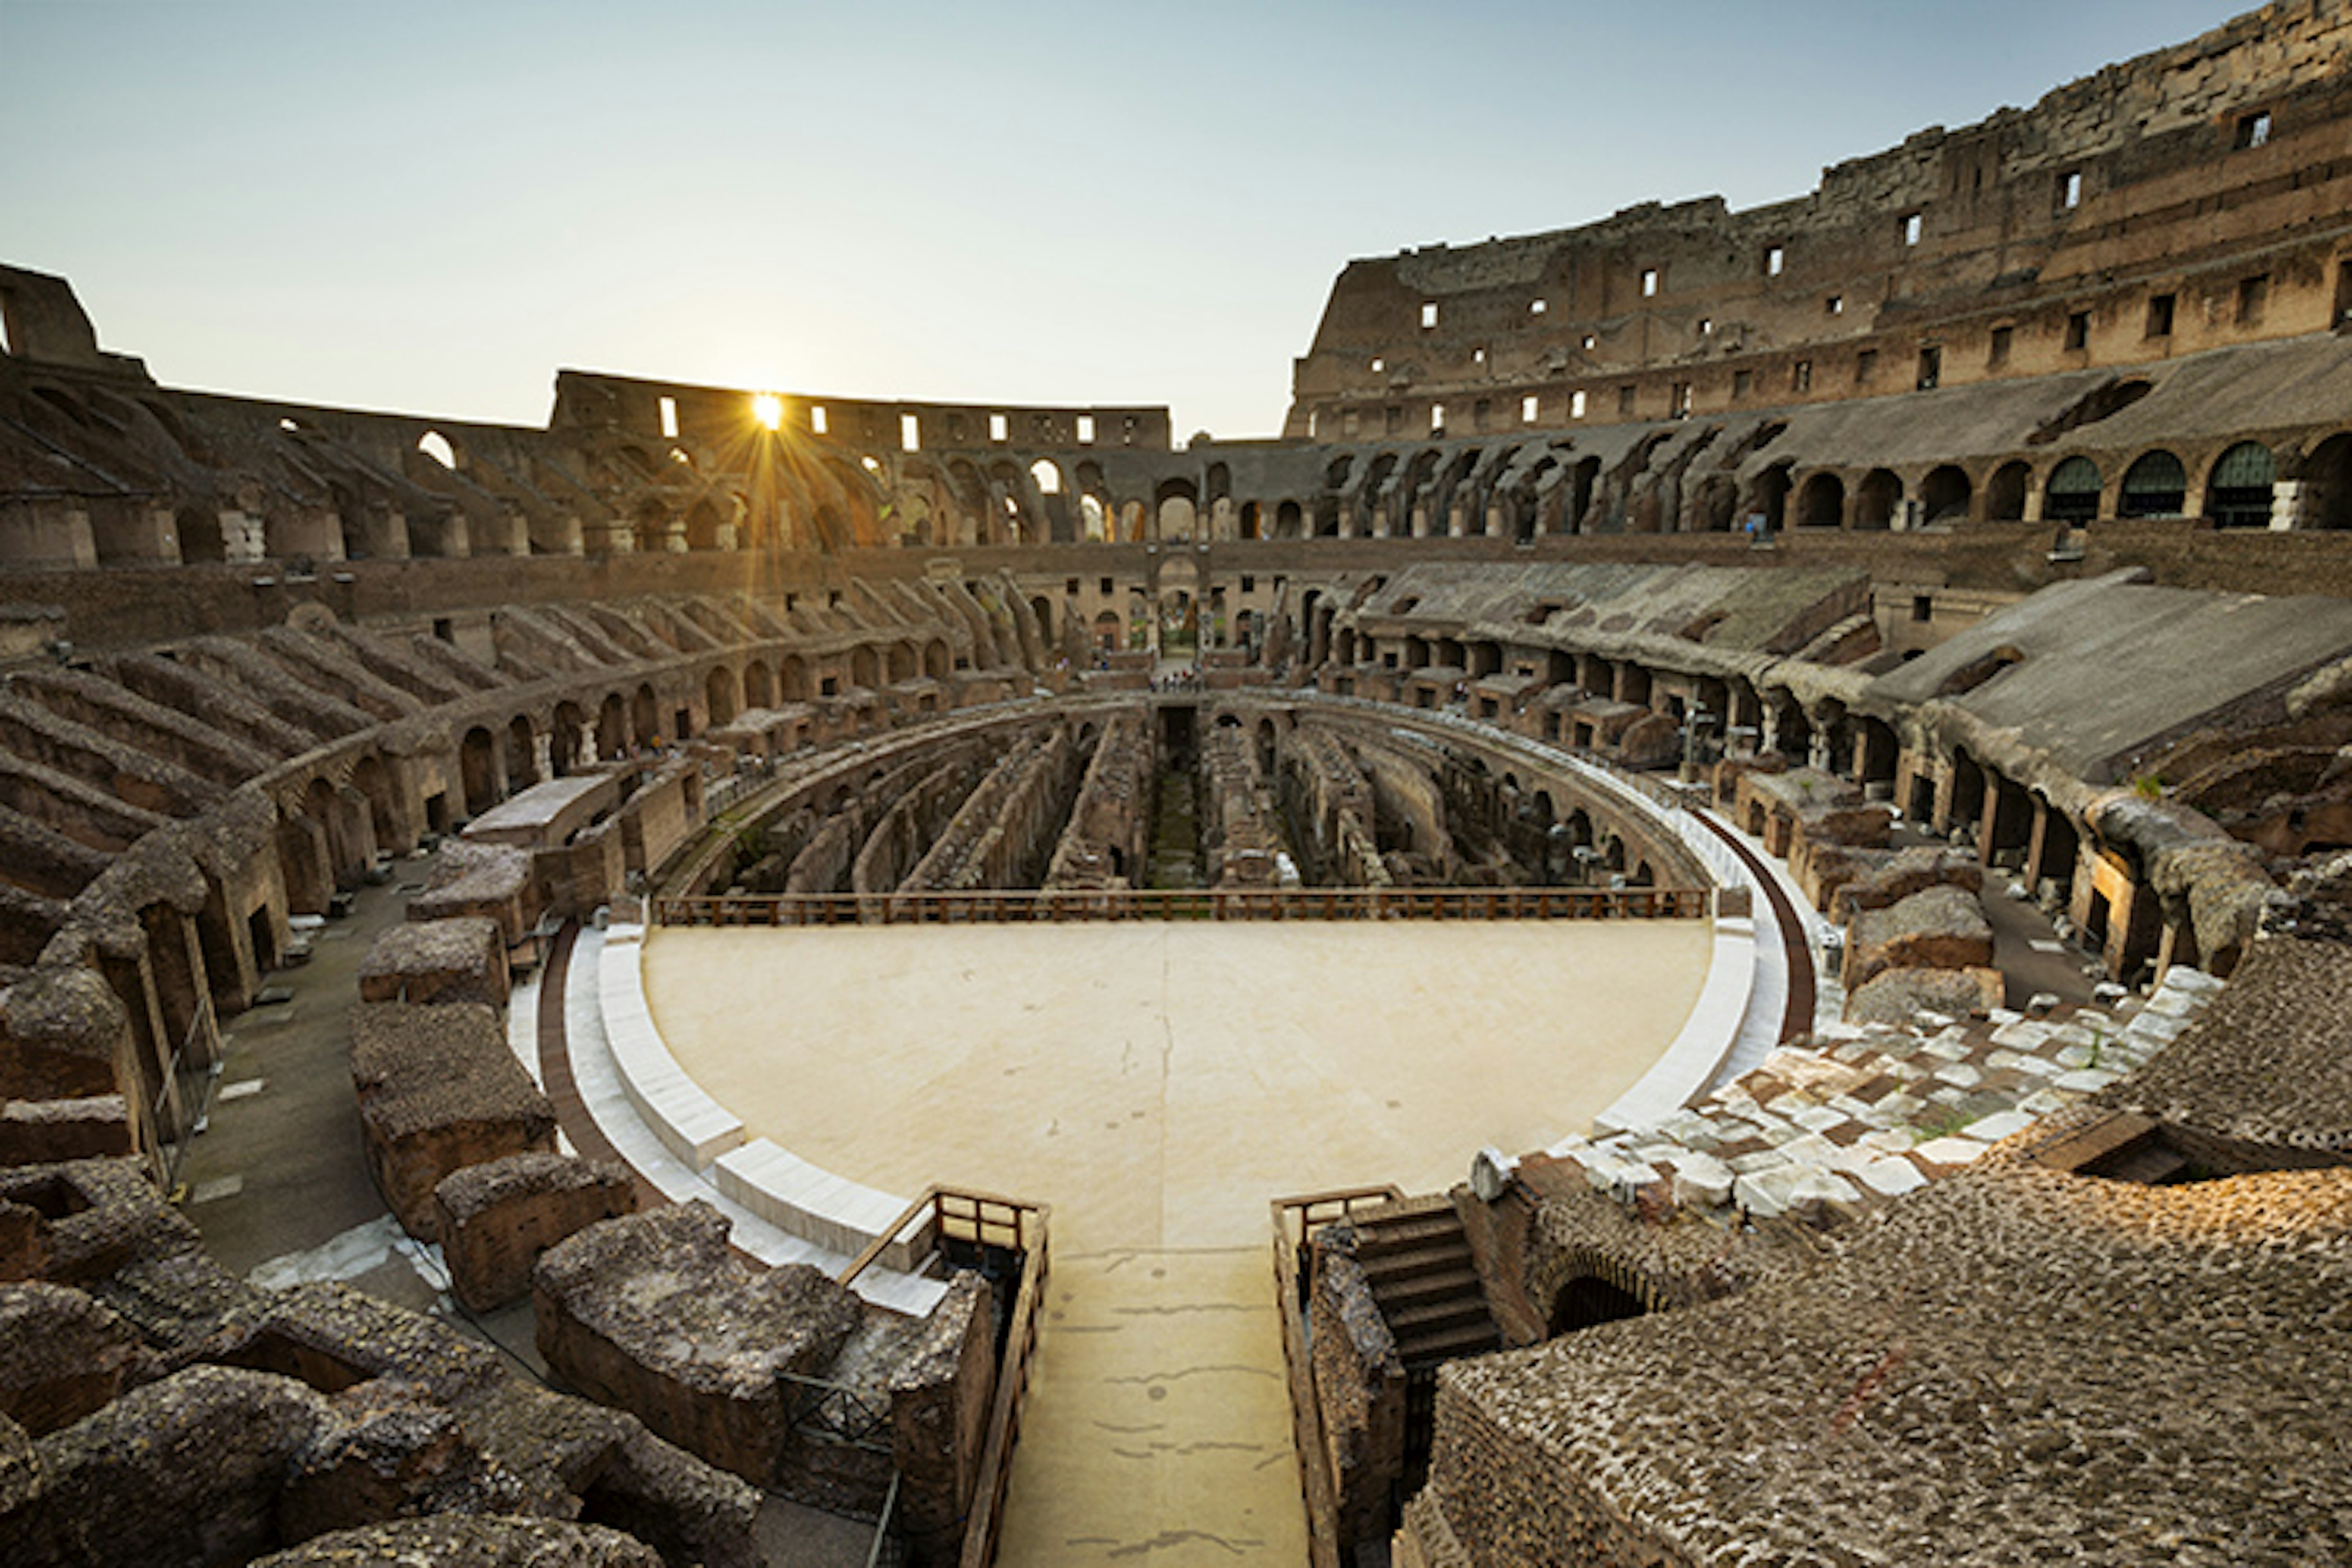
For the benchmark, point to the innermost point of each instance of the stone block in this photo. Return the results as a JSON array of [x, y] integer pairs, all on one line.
[[44, 1131], [1942, 928], [654, 1314], [62, 1356], [463, 959], [941, 1397], [440, 1090], [497, 1217]]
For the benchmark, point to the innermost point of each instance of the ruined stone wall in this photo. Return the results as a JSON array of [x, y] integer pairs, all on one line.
[[910, 825], [1003, 833], [1109, 828], [1327, 791], [1241, 830], [2150, 177]]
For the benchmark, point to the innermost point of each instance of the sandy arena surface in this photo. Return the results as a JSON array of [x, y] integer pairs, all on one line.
[[1158, 1084]]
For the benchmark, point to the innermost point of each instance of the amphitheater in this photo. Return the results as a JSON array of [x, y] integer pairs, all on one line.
[[1705, 919]]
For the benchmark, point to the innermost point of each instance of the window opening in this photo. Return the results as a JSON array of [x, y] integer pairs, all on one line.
[[1428, 313], [1776, 260], [669, 418], [2159, 315], [910, 432]]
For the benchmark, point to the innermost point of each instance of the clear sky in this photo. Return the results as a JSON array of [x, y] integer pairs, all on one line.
[[431, 206]]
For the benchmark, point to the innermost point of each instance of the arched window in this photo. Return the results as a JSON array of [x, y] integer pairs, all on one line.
[[2238, 495], [2074, 493], [2156, 486]]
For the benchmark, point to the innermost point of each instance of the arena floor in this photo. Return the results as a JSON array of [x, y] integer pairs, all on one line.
[[1158, 1084]]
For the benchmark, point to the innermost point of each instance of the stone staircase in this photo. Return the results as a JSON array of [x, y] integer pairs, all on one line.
[[1416, 1257]]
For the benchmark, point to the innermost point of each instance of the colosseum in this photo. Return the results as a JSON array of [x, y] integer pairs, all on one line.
[[1707, 919]]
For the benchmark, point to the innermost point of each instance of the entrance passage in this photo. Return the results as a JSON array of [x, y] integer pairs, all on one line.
[[1158, 1083]]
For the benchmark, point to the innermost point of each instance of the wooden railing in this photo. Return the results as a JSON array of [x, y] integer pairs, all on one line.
[[1013, 1224], [1069, 907], [1296, 1220]]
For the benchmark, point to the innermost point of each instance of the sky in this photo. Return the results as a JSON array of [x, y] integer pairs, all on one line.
[[431, 207]]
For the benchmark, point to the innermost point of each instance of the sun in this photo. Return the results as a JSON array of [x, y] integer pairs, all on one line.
[[768, 410]]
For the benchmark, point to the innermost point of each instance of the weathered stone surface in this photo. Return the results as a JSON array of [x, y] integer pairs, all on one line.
[[44, 1131], [467, 1542], [654, 1314], [1671, 1438], [1943, 927], [462, 959], [389, 1450], [1909, 871], [182, 1473], [497, 1217], [489, 881], [62, 1356], [940, 1392], [1360, 1387], [23, 1255], [96, 1215], [1898, 995], [20, 1470], [440, 1090]]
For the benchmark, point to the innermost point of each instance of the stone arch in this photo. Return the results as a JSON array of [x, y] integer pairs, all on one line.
[[477, 770], [2005, 494], [645, 716], [611, 727], [1769, 496], [522, 752], [1716, 506], [2326, 479], [1945, 495], [373, 783], [1876, 499], [566, 737], [759, 684], [721, 695], [1821, 503], [2241, 487], [202, 541], [2073, 492], [2156, 485]]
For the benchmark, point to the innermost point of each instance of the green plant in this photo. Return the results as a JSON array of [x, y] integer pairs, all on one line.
[[1946, 1122], [2149, 787]]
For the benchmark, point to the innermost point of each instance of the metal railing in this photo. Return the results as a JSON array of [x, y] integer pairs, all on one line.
[[1011, 1225], [1003, 907], [1296, 1220], [176, 1114]]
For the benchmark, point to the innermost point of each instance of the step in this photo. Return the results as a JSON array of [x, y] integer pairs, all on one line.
[[1426, 1350], [1415, 1289], [1397, 1268], [1435, 1317], [1375, 1237]]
